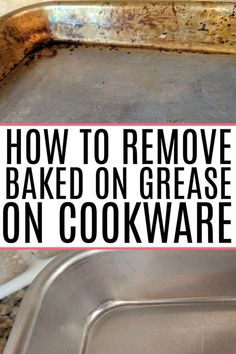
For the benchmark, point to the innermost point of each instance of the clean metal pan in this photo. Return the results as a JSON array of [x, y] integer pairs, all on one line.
[[130, 302], [119, 62]]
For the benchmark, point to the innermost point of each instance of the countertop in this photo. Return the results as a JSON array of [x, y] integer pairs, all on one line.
[[7, 6], [8, 310]]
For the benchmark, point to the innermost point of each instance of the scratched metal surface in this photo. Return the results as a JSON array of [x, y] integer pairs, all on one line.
[[98, 84], [7, 6], [135, 84], [178, 25]]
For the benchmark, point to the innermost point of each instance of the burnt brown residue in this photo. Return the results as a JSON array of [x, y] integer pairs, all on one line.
[[183, 26], [172, 26], [203, 27], [130, 17], [53, 53], [49, 50], [19, 34], [144, 21], [175, 15], [29, 59]]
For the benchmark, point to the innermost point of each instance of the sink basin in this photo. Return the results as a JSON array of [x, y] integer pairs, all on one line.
[[114, 302]]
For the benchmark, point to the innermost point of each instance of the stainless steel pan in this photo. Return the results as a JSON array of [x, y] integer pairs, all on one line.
[[130, 302]]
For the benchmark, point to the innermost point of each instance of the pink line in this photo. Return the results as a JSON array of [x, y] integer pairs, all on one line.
[[120, 248], [117, 124]]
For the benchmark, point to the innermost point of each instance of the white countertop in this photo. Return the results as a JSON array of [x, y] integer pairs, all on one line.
[[7, 6]]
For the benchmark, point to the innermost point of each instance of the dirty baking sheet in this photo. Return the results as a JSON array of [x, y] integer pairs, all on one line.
[[111, 84], [130, 302], [193, 81]]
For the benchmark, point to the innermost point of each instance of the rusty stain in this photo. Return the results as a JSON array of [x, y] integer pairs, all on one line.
[[203, 27], [53, 53], [130, 16], [206, 27], [19, 34]]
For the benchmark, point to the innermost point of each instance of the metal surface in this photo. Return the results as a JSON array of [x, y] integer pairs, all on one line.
[[176, 25], [130, 302], [119, 85]]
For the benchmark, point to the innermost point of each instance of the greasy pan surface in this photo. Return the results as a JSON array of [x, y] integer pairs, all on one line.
[[135, 84], [98, 84], [130, 302]]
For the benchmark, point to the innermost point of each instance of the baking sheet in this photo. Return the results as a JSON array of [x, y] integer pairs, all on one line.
[[124, 62], [97, 84], [117, 69], [132, 302]]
